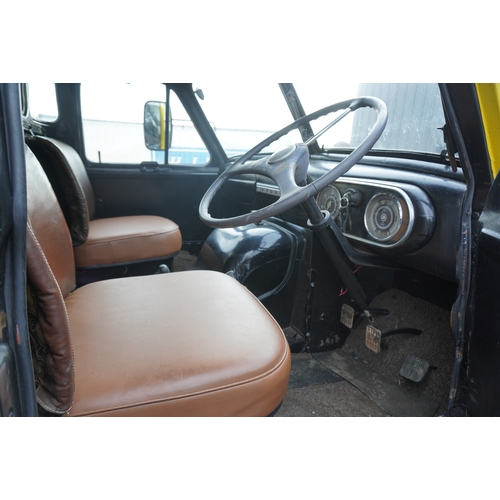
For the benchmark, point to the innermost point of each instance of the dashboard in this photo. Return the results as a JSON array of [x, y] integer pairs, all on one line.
[[406, 210]]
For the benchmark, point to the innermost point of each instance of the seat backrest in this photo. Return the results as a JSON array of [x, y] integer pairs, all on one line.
[[50, 269], [71, 184]]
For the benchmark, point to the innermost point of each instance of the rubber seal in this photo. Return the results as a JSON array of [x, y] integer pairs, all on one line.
[[320, 225]]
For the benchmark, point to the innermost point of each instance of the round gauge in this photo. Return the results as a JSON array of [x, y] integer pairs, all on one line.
[[329, 199], [384, 217]]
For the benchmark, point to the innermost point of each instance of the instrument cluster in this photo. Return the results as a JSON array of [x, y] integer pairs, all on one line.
[[386, 215]]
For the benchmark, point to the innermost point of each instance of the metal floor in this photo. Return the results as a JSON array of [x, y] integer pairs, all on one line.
[[356, 382], [311, 394]]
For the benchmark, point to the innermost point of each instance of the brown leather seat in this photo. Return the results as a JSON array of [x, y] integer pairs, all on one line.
[[181, 344], [101, 242]]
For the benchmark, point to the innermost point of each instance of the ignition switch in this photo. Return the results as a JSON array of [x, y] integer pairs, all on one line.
[[354, 197]]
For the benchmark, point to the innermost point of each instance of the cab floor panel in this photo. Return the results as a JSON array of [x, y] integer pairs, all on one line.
[[386, 394], [311, 394], [435, 345], [307, 372], [336, 399], [183, 260]]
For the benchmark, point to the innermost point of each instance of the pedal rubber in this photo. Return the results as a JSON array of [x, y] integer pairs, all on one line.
[[414, 369]]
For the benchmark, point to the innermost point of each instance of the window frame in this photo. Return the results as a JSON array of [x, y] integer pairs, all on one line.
[[159, 160]]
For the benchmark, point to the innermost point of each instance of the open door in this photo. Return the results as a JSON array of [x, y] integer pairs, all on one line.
[[484, 347], [17, 389]]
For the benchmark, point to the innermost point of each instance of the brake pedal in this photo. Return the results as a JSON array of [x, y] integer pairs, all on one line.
[[414, 369]]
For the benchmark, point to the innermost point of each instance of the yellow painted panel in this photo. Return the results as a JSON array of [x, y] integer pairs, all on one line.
[[162, 127], [489, 101]]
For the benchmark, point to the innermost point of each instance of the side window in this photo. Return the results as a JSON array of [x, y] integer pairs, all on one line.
[[113, 126], [42, 102]]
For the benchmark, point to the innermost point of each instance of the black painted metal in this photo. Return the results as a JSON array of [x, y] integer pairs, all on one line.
[[483, 398], [15, 272], [327, 294], [464, 254], [272, 259], [465, 103], [265, 249], [84, 276], [444, 191], [297, 110], [336, 253], [8, 391]]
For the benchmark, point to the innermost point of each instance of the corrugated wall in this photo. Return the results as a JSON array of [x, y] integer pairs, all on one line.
[[415, 114]]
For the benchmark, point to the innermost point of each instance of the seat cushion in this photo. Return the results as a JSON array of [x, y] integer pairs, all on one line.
[[123, 240], [182, 344]]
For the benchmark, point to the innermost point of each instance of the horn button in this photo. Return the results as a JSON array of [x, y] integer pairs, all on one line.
[[282, 154]]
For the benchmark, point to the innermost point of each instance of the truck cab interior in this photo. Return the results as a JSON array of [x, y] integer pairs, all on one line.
[[196, 252]]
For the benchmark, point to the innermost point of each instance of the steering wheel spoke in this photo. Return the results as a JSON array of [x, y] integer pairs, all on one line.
[[328, 127]]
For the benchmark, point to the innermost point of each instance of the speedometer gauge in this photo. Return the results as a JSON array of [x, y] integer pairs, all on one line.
[[329, 199], [384, 217]]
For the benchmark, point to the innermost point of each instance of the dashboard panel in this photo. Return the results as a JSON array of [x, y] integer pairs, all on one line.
[[406, 210], [392, 216]]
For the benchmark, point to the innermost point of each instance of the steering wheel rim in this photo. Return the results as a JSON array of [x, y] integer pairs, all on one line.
[[288, 167]]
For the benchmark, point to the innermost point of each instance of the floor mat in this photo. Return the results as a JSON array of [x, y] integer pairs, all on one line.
[[339, 399], [306, 371], [435, 345], [354, 381], [387, 395]]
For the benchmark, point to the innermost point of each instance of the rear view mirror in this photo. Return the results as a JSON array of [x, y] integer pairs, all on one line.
[[154, 125]]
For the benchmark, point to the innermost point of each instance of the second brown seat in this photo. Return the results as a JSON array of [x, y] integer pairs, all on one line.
[[101, 243]]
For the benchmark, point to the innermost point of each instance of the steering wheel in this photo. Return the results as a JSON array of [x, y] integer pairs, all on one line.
[[288, 166]]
